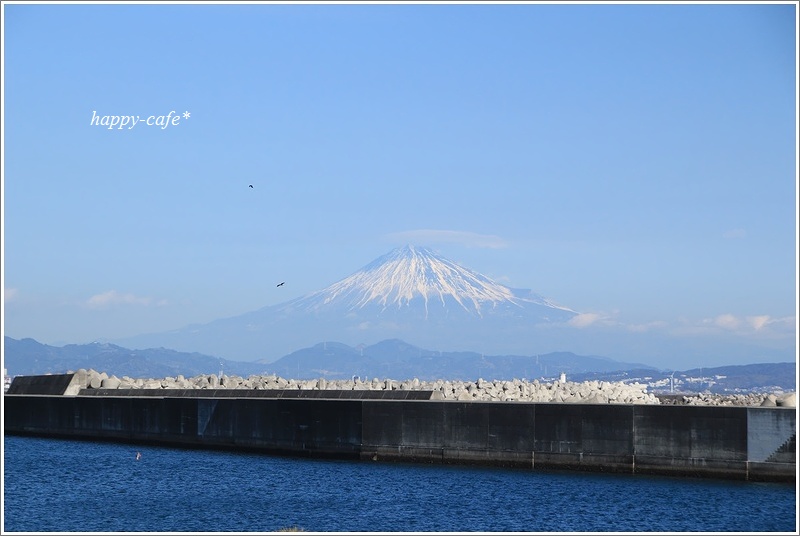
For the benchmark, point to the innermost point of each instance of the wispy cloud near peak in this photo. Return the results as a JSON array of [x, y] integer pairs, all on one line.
[[440, 236], [112, 297]]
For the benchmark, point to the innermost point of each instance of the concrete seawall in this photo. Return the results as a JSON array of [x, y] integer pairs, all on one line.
[[746, 443]]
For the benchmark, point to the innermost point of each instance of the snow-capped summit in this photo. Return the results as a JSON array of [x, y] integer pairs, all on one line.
[[413, 275], [403, 274], [411, 293]]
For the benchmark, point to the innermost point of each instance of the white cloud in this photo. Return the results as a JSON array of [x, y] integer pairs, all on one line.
[[9, 294], [726, 321], [112, 297], [771, 325], [758, 322], [583, 320], [609, 320], [760, 325], [424, 237]]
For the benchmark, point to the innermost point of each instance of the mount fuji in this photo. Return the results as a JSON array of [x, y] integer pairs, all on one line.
[[411, 293]]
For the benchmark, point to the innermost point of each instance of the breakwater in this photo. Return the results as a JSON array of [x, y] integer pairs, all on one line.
[[748, 443], [516, 390]]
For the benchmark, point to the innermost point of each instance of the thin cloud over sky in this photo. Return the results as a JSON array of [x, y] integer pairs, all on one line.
[[732, 322], [609, 320], [648, 326], [762, 325], [437, 236], [735, 233], [726, 321], [9, 294], [758, 322], [583, 320], [112, 297]]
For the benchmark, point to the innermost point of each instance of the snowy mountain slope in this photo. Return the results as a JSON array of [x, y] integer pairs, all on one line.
[[408, 275], [410, 293]]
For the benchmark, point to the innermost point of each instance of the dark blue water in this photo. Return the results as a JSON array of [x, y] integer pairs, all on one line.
[[61, 485]]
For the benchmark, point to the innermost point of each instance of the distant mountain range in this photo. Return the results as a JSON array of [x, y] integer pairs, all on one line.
[[28, 357], [333, 360], [392, 359], [396, 359], [411, 293]]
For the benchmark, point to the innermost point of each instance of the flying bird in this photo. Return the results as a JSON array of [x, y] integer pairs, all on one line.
[[251, 186], [281, 284]]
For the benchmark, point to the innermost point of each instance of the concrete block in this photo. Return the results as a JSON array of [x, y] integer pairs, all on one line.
[[787, 400]]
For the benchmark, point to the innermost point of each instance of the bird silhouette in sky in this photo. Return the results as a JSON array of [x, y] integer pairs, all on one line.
[[281, 284], [251, 186]]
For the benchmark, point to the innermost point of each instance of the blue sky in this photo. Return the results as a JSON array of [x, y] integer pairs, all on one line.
[[636, 163]]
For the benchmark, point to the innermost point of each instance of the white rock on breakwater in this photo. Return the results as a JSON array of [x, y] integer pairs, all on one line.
[[593, 392], [788, 400], [590, 392]]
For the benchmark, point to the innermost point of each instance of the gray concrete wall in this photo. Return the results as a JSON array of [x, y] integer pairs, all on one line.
[[720, 442], [691, 441], [309, 426]]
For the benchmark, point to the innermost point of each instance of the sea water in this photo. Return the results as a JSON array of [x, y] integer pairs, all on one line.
[[52, 485]]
